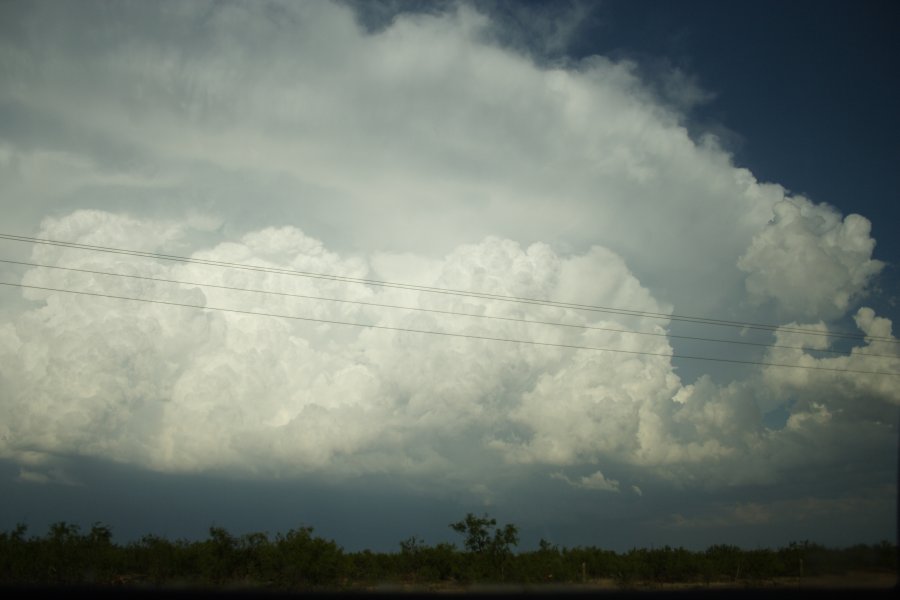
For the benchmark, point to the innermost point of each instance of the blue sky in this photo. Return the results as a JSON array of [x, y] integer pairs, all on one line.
[[806, 87], [732, 161]]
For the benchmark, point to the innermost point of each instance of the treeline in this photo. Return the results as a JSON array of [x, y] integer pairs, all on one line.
[[300, 560]]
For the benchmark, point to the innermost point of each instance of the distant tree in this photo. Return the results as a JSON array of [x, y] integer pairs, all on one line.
[[219, 555], [100, 559], [16, 556], [300, 558], [100, 535], [411, 556], [547, 547], [155, 558], [542, 566], [489, 545], [61, 556], [256, 556], [482, 536]]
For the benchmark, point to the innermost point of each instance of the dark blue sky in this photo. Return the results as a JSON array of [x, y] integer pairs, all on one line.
[[810, 88]]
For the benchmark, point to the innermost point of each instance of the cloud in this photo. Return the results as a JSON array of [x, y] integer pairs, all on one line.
[[182, 389], [860, 398], [323, 124], [187, 390], [424, 151], [42, 469], [750, 513], [810, 261], [594, 481], [790, 511], [53, 476]]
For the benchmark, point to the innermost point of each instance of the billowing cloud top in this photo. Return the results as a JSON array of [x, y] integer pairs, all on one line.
[[286, 136]]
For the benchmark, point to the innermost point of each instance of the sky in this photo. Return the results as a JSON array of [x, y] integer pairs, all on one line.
[[623, 274]]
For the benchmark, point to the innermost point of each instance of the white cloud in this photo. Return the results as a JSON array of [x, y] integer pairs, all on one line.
[[862, 392], [180, 389], [594, 481], [810, 261], [308, 118], [53, 476]]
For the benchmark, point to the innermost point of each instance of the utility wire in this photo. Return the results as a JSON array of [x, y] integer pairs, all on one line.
[[433, 310], [445, 333], [447, 291]]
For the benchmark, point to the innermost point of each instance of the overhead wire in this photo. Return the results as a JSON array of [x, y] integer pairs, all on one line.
[[450, 334], [450, 291], [433, 310]]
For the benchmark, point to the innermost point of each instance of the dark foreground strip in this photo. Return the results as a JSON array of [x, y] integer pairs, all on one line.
[[148, 593]]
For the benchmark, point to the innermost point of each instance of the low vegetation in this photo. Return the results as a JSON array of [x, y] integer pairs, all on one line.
[[299, 559]]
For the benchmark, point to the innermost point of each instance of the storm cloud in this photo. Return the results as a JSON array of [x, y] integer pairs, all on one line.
[[288, 136]]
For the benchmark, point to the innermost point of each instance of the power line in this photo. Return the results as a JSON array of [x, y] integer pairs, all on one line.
[[432, 310], [447, 291], [449, 334]]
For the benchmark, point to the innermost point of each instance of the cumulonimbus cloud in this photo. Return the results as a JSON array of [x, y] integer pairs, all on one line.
[[427, 153], [186, 389]]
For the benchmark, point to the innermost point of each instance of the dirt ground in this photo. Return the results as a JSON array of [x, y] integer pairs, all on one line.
[[849, 581]]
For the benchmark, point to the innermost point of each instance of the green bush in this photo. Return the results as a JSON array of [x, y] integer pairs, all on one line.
[[299, 560]]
